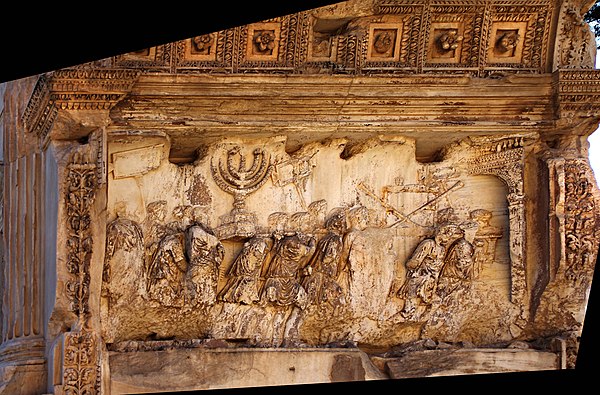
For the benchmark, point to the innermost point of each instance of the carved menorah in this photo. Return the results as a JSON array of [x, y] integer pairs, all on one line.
[[239, 180]]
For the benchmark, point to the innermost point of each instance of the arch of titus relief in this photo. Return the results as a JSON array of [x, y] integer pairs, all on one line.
[[370, 190]]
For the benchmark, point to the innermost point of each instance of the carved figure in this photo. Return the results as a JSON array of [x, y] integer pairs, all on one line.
[[242, 285], [278, 223], [183, 219], [457, 272], [353, 253], [485, 239], [325, 265], [154, 228], [446, 216], [124, 257], [121, 234], [282, 286], [166, 271], [205, 253], [423, 269], [317, 210]]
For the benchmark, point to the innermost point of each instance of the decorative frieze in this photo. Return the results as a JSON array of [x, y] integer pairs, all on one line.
[[577, 93], [481, 37]]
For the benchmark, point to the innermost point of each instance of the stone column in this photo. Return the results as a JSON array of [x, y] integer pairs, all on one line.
[[22, 352]]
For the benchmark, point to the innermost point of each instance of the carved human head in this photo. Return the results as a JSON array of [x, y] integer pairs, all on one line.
[[258, 245], [201, 246], [300, 222], [482, 216], [318, 207], [157, 210], [358, 217], [277, 222], [200, 216], [447, 233], [337, 220], [121, 209], [446, 216]]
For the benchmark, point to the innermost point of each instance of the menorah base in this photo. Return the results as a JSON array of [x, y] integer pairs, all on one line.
[[237, 225]]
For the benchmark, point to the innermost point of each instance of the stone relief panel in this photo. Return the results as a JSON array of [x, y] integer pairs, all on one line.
[[328, 244]]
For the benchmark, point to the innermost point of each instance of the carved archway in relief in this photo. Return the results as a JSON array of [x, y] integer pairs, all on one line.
[[508, 165]]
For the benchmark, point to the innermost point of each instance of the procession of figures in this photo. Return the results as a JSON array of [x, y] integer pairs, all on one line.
[[299, 263]]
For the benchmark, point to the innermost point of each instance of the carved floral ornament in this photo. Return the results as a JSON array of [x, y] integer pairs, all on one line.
[[264, 41], [449, 40], [204, 43], [81, 347]]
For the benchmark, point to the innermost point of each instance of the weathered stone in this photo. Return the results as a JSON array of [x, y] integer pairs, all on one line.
[[432, 363], [195, 369], [369, 190]]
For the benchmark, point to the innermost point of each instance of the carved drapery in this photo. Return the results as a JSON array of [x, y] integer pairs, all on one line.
[[508, 166]]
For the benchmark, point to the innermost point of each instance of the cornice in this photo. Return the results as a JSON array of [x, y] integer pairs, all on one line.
[[74, 89]]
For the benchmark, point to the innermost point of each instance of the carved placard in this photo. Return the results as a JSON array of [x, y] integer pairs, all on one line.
[[136, 162]]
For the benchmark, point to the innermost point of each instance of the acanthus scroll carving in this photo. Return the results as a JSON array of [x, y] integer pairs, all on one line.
[[581, 233], [577, 48], [80, 365], [81, 179]]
